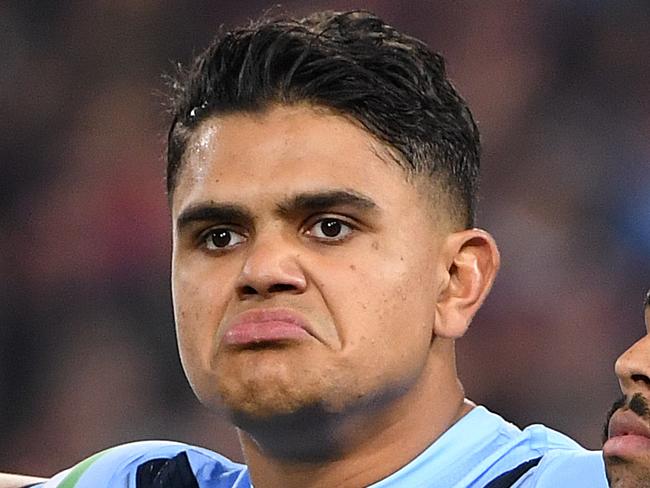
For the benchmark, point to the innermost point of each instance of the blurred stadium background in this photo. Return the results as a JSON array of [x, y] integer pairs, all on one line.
[[561, 90]]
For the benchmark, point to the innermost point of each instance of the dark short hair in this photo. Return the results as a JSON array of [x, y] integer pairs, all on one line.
[[352, 63]]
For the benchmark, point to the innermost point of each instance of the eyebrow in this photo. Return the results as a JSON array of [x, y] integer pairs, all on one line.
[[213, 212], [301, 203], [323, 200]]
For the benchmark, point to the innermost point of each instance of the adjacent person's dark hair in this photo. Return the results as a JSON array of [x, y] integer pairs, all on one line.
[[353, 64]]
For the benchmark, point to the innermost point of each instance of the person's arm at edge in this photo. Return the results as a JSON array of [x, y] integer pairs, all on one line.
[[18, 480]]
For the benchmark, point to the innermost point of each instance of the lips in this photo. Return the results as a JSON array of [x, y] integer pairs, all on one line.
[[629, 435], [266, 326]]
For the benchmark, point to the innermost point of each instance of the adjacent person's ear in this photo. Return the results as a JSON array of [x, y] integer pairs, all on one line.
[[471, 260]]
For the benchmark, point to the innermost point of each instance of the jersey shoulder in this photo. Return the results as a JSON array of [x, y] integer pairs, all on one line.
[[577, 468], [127, 465]]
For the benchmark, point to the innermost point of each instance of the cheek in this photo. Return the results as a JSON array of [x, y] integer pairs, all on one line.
[[196, 316], [186, 317], [384, 324], [381, 301]]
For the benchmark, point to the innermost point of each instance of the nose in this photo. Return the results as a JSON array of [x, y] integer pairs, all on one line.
[[633, 368], [271, 267]]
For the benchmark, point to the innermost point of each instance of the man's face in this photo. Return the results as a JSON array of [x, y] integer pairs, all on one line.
[[305, 266], [627, 450]]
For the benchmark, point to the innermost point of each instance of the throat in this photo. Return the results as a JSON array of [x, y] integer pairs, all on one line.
[[325, 450], [311, 436]]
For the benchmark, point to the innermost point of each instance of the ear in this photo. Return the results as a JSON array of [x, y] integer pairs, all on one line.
[[471, 261]]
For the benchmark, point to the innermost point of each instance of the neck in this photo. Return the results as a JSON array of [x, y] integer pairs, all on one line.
[[363, 446]]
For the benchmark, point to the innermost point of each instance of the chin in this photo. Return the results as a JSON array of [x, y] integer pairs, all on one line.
[[268, 383], [626, 474], [262, 403], [267, 394]]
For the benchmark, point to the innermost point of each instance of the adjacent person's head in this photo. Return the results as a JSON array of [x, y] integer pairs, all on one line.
[[322, 178], [627, 431]]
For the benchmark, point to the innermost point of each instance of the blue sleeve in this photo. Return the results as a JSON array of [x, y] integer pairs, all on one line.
[[577, 469], [117, 467]]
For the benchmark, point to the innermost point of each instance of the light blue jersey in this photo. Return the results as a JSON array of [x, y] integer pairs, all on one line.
[[474, 451]]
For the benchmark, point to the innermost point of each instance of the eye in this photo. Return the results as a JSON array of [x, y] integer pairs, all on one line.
[[330, 229], [221, 238]]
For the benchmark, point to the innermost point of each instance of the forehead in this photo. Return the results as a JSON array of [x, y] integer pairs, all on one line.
[[295, 148]]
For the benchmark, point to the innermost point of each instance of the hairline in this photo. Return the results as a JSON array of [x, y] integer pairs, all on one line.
[[434, 191]]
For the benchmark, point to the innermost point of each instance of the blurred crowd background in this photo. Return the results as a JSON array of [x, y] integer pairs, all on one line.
[[561, 90]]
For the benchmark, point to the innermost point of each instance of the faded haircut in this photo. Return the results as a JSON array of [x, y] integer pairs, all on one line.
[[353, 64]]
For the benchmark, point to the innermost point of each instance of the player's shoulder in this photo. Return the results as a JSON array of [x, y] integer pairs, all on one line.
[[567, 467], [140, 464]]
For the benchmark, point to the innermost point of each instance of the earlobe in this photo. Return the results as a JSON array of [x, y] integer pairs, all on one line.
[[471, 261]]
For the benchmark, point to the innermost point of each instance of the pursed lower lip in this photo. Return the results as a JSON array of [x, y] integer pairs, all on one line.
[[265, 326], [629, 436], [626, 446]]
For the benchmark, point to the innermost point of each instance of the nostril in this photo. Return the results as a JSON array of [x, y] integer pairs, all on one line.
[[280, 287], [640, 378], [248, 290]]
